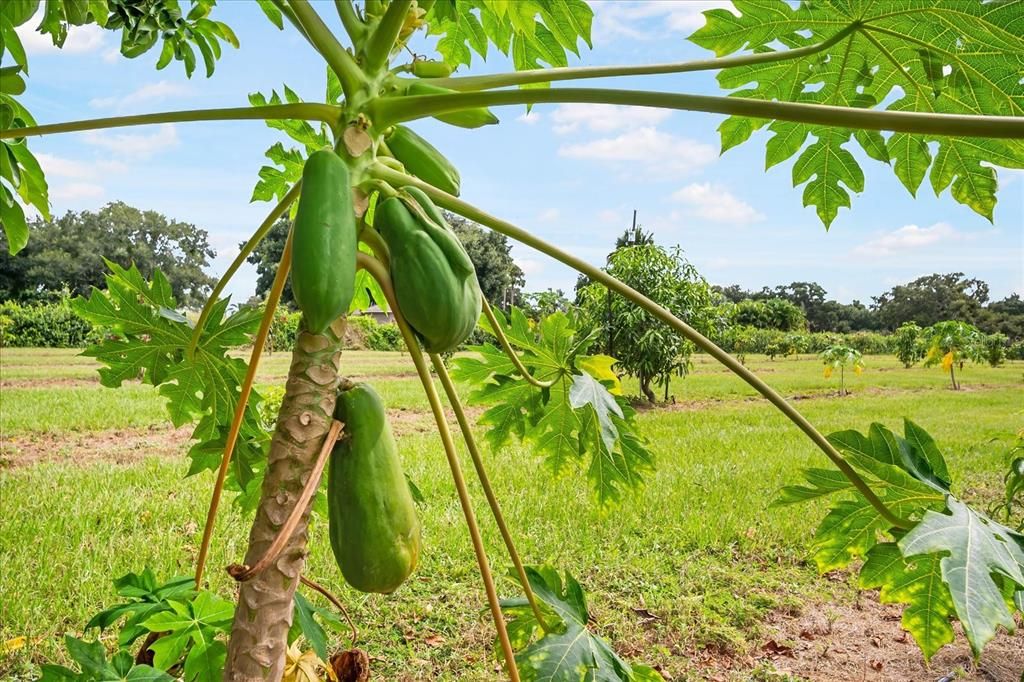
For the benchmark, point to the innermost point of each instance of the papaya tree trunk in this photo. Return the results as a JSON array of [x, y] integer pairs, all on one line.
[[256, 650]]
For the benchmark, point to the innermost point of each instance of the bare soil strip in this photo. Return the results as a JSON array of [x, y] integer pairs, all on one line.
[[127, 446], [864, 641]]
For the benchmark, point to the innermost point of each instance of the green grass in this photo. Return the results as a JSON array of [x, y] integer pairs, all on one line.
[[699, 546]]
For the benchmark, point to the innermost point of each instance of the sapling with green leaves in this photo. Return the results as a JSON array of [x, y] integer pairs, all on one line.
[[840, 357], [908, 344], [924, 88], [949, 344]]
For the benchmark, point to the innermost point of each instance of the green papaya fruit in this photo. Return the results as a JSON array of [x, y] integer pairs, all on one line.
[[423, 160], [467, 118], [434, 279], [428, 68], [324, 242], [374, 528]]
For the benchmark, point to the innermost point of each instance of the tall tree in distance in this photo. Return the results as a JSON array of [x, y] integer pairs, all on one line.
[[266, 257], [931, 299], [68, 251], [501, 280]]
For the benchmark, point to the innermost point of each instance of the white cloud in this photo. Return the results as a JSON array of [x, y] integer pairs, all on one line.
[[715, 203], [651, 19], [76, 190], [660, 152], [909, 238], [530, 266], [80, 39], [69, 168], [137, 145], [605, 118], [609, 216], [530, 117], [152, 92], [549, 215]]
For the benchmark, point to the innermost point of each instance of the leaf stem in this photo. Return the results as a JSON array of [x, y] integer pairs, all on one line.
[[243, 253], [531, 76], [376, 269], [340, 61], [485, 483], [392, 110], [303, 110], [382, 40], [469, 211], [354, 26], [242, 573], [510, 352], [243, 400]]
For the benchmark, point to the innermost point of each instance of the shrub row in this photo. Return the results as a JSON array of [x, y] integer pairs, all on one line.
[[57, 325], [742, 340]]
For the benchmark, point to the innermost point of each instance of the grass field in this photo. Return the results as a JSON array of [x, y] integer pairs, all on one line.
[[693, 574]]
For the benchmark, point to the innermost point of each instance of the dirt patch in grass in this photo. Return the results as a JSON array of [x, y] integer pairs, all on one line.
[[864, 641], [49, 382], [120, 446], [126, 446]]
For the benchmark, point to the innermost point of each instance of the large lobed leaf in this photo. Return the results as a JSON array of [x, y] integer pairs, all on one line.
[[959, 564], [959, 57], [576, 422], [533, 32], [569, 651], [149, 343]]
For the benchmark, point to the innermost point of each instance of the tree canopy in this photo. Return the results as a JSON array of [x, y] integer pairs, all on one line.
[[67, 252]]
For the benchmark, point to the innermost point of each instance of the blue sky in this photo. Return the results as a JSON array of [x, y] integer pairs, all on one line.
[[571, 173]]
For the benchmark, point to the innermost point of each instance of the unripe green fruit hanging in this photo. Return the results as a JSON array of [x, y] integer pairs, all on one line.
[[324, 242]]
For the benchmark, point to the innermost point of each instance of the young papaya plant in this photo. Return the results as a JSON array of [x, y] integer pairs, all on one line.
[[940, 79], [840, 357]]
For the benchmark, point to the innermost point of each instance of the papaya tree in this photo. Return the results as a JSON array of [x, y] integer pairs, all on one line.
[[948, 344], [840, 357], [926, 88]]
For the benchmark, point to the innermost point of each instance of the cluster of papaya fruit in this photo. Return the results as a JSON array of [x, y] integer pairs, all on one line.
[[374, 529]]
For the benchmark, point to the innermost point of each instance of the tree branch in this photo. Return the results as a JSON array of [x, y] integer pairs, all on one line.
[[340, 61], [378, 47], [469, 211], [354, 26], [304, 110], [501, 80], [389, 111]]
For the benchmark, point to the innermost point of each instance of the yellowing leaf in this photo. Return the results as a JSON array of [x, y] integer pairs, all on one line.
[[828, 371], [947, 360], [600, 367], [302, 666], [12, 645], [857, 369]]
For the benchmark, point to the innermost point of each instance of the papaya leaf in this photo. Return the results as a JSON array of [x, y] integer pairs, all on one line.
[[570, 651], [150, 344], [536, 32], [918, 583], [92, 660], [899, 55], [976, 548], [959, 564], [574, 421]]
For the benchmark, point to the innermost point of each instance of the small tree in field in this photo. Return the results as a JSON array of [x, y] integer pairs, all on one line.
[[907, 344], [949, 344], [646, 348], [990, 349], [840, 357]]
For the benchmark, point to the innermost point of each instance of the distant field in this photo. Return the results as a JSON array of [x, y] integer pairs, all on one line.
[[694, 574]]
